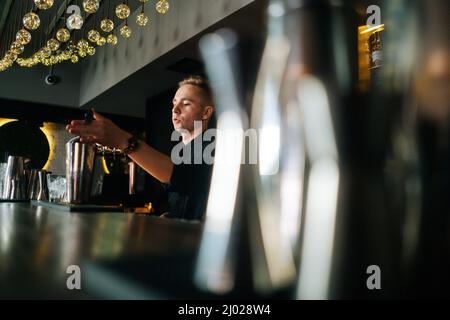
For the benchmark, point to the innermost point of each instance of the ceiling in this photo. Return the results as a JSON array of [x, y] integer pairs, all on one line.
[[12, 12], [158, 76], [165, 72]]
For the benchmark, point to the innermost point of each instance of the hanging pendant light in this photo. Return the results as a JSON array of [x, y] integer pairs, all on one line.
[[141, 18], [44, 4], [112, 39], [31, 21], [74, 59], [52, 52], [91, 51], [122, 11], [63, 35], [162, 6], [125, 31], [53, 44], [23, 36], [93, 36], [17, 48], [101, 41], [91, 6], [107, 25]]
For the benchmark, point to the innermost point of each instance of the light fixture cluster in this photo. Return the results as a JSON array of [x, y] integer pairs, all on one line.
[[52, 53]]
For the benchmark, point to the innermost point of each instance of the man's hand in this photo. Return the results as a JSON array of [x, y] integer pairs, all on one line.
[[101, 130], [105, 132]]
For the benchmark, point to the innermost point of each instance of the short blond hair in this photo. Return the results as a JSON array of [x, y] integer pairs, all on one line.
[[201, 83]]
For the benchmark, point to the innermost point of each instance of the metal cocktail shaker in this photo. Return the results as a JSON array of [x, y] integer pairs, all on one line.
[[37, 184], [43, 194], [14, 182], [33, 184], [80, 159]]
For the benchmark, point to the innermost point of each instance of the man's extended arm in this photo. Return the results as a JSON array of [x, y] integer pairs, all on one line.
[[105, 132]]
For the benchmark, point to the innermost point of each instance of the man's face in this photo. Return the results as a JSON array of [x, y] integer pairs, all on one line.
[[187, 107]]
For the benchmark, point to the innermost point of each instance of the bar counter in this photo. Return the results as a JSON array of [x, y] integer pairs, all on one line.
[[119, 254]]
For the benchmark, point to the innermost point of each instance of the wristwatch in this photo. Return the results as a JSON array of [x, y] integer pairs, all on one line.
[[133, 144]]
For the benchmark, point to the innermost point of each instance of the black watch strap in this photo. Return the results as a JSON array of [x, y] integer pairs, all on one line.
[[133, 144]]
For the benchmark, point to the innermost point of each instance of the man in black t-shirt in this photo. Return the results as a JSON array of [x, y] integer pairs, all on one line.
[[188, 187], [187, 184]]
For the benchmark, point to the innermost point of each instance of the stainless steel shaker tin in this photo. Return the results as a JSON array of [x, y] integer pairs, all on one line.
[[80, 159]]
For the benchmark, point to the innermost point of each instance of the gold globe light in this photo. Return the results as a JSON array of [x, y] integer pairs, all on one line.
[[141, 19], [101, 42], [46, 62], [23, 36], [125, 31], [91, 51], [49, 54], [53, 44], [31, 21], [162, 6], [93, 36], [112, 39], [10, 57], [17, 47], [107, 25], [122, 11], [82, 45], [75, 21], [43, 4], [91, 6], [71, 46], [63, 35], [46, 52]]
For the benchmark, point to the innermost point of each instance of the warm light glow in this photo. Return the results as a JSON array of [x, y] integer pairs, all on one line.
[[364, 33], [48, 135], [105, 166], [51, 142], [366, 29], [5, 121]]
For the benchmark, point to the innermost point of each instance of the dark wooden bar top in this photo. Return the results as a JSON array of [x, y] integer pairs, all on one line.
[[118, 253]]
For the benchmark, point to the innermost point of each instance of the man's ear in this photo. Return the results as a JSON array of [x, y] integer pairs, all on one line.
[[207, 112]]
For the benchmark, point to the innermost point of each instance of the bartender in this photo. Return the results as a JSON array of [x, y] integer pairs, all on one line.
[[187, 184]]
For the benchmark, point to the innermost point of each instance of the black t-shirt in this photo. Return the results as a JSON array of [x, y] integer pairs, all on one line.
[[188, 189]]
